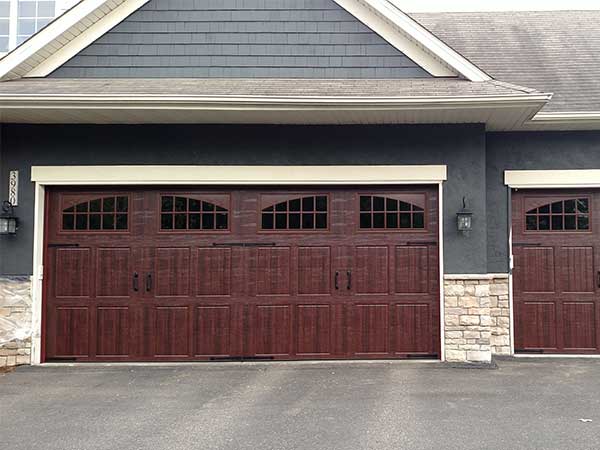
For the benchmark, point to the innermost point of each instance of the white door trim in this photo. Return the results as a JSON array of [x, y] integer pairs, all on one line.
[[549, 179], [237, 175], [44, 176]]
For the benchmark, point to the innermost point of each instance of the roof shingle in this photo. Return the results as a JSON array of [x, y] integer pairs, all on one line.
[[550, 51]]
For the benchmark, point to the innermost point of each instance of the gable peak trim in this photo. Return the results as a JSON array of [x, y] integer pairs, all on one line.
[[88, 20]]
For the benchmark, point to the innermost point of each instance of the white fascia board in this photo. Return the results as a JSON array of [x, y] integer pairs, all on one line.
[[9, 65], [548, 179], [91, 34], [263, 102], [412, 39], [570, 117], [238, 175]]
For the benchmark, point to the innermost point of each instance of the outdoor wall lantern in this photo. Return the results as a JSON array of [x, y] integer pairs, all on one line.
[[8, 221], [464, 219]]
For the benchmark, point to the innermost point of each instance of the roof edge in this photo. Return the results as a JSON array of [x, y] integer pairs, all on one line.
[[427, 40]]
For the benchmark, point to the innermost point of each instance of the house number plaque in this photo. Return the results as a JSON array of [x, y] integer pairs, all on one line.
[[13, 187]]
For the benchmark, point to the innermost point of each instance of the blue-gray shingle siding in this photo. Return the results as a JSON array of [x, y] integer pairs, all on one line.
[[233, 38]]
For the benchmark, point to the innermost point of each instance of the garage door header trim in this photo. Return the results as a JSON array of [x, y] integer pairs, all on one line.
[[238, 175]]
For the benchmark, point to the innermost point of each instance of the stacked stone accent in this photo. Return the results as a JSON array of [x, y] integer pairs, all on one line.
[[467, 319], [15, 321], [477, 317], [500, 314]]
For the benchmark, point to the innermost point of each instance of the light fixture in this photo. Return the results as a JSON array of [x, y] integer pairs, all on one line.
[[464, 219], [8, 221]]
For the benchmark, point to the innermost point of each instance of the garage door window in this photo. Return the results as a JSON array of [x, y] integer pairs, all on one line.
[[98, 214], [561, 215], [378, 212], [196, 214], [303, 213]]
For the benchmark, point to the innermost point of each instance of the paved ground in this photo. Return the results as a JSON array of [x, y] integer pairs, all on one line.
[[533, 404]]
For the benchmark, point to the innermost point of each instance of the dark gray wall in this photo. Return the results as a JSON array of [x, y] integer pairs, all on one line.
[[461, 147], [250, 38], [528, 151]]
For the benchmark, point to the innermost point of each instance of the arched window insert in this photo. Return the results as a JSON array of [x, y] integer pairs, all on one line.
[[183, 213], [378, 212], [306, 213], [562, 215], [100, 214]]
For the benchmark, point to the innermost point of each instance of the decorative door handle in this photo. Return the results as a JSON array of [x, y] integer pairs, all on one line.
[[337, 281], [136, 282], [598, 280], [349, 273], [148, 282]]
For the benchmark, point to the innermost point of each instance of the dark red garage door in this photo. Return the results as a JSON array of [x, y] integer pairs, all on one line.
[[556, 246], [188, 274]]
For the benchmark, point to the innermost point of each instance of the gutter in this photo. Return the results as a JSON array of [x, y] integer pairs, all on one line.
[[566, 117], [159, 102]]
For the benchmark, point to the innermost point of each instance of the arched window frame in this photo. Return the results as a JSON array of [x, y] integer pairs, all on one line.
[[295, 213], [374, 217], [98, 213], [194, 213], [559, 215]]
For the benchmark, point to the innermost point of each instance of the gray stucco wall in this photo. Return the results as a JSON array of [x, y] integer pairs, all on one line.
[[250, 38], [528, 151], [461, 147]]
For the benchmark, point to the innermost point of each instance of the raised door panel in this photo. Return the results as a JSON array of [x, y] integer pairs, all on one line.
[[314, 270], [272, 330], [534, 269], [412, 330], [71, 331], [577, 269], [171, 331], [72, 272], [314, 330], [538, 325], [212, 331], [214, 272], [172, 268], [273, 271], [112, 331], [579, 326], [371, 329], [113, 272], [371, 270], [412, 270]]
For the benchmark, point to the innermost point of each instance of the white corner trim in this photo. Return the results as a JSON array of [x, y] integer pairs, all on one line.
[[412, 39], [91, 34], [547, 179], [237, 175], [16, 64], [441, 271]]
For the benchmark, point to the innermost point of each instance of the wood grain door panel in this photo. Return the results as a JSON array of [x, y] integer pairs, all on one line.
[[201, 275]]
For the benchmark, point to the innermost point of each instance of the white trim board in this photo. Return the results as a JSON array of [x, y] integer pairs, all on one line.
[[88, 20], [237, 175], [548, 179], [212, 175]]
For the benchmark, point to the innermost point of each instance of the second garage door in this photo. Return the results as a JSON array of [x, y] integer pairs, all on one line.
[[188, 274], [556, 239]]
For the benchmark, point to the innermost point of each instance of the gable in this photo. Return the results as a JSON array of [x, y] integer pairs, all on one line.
[[228, 38]]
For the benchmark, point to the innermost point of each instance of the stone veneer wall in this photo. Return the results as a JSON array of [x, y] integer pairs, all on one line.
[[500, 314], [476, 312], [15, 321]]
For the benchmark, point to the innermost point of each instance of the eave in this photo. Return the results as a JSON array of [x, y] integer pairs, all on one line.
[[499, 113], [564, 121]]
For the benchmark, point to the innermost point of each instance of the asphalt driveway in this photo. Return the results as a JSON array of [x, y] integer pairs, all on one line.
[[533, 404]]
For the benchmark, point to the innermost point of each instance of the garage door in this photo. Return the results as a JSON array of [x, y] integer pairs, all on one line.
[[188, 274], [556, 236]]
